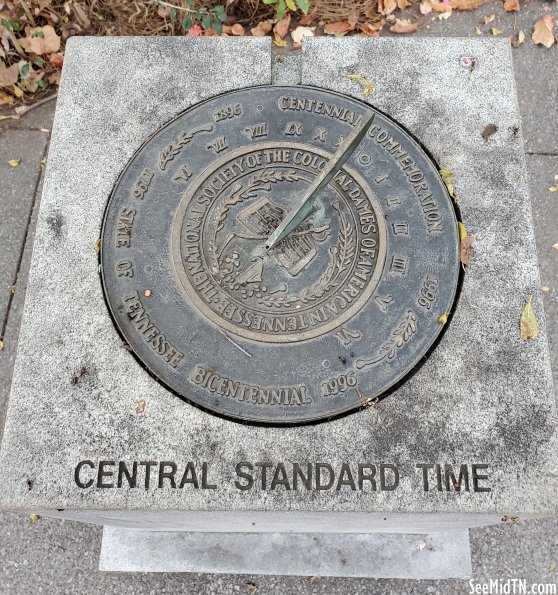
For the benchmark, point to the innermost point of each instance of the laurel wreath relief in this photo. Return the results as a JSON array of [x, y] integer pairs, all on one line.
[[400, 336], [172, 150], [340, 255]]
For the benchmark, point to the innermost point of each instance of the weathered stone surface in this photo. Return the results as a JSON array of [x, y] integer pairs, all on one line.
[[483, 397]]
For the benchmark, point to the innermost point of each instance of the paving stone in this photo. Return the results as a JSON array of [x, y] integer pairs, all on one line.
[[40, 117], [537, 70], [13, 318], [536, 67], [542, 169], [18, 190], [62, 557]]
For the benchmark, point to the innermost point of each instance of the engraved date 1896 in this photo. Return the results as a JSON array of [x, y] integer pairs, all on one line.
[[230, 111], [339, 384]]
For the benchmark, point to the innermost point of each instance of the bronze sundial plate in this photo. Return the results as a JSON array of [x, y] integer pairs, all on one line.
[[335, 314]]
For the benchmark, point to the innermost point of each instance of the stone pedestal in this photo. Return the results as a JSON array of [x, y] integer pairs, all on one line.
[[469, 440]]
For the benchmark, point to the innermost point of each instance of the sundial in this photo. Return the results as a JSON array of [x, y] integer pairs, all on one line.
[[280, 254]]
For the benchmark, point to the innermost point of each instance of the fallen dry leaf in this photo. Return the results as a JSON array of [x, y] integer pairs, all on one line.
[[447, 178], [553, 188], [279, 41], [368, 88], [466, 250], [195, 31], [467, 4], [262, 28], [54, 77], [313, 579], [237, 29], [528, 323], [282, 27], [478, 31], [40, 40], [488, 131], [252, 588], [518, 39], [496, 31], [163, 11], [338, 29], [403, 26], [81, 16], [371, 29], [42, 163], [510, 5], [386, 7], [443, 319], [542, 32], [555, 245], [14, 162], [57, 59], [1, 344], [9, 75], [552, 567], [98, 245], [6, 99], [140, 407], [425, 7], [403, 4], [34, 517], [488, 19], [545, 288], [300, 33], [444, 15], [441, 6]]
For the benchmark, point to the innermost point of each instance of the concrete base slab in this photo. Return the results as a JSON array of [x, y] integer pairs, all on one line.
[[380, 555]]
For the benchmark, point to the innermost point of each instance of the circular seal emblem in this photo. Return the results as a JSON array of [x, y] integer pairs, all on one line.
[[330, 263], [332, 315]]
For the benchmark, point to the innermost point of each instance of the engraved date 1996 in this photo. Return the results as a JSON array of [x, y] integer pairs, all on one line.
[[339, 384], [428, 292], [142, 184]]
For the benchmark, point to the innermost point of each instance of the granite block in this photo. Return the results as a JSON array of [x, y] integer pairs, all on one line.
[[482, 402]]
